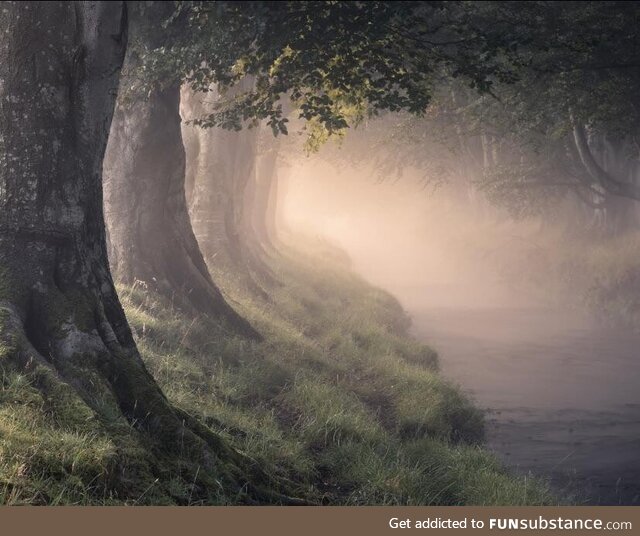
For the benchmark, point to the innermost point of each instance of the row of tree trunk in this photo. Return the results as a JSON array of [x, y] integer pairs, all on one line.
[[232, 191], [59, 311], [153, 204]]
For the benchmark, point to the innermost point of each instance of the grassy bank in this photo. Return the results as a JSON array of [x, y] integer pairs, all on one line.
[[336, 402]]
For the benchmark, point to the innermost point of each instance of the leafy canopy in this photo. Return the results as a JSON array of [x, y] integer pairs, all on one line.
[[334, 61]]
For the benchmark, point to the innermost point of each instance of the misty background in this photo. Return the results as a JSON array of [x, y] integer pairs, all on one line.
[[510, 302]]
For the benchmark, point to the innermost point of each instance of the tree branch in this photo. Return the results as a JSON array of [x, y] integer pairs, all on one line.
[[609, 183]]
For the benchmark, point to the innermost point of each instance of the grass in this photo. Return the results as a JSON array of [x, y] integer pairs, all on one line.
[[45, 461], [336, 399]]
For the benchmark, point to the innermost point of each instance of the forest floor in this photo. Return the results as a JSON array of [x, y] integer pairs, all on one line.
[[337, 405]]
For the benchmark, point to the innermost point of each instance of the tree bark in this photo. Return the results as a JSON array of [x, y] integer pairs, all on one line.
[[151, 238]]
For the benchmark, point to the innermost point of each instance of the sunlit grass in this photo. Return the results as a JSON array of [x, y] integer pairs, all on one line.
[[43, 460], [336, 400]]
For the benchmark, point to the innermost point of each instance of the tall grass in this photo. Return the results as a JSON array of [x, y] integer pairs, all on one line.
[[337, 400]]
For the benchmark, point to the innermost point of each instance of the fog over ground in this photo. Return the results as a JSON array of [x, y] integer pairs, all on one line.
[[421, 242], [559, 386]]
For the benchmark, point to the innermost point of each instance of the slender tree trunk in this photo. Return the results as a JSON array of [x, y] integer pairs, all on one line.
[[620, 212], [273, 208], [252, 247], [150, 232], [283, 189], [613, 185], [240, 184], [265, 206], [205, 159], [191, 142]]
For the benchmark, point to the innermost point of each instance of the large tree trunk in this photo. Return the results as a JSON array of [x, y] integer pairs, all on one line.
[[60, 316], [59, 303], [151, 238]]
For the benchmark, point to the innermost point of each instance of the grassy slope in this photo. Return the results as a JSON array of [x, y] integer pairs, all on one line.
[[337, 401]]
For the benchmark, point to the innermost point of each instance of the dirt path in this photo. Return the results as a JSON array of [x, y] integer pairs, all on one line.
[[562, 393]]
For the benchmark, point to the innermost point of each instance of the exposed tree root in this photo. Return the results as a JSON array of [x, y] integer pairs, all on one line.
[[108, 375]]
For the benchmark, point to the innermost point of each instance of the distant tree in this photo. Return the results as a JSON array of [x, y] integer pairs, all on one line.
[[571, 119], [224, 186]]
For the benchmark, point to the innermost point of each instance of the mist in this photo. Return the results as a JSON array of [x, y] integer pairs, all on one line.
[[501, 299], [426, 245]]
